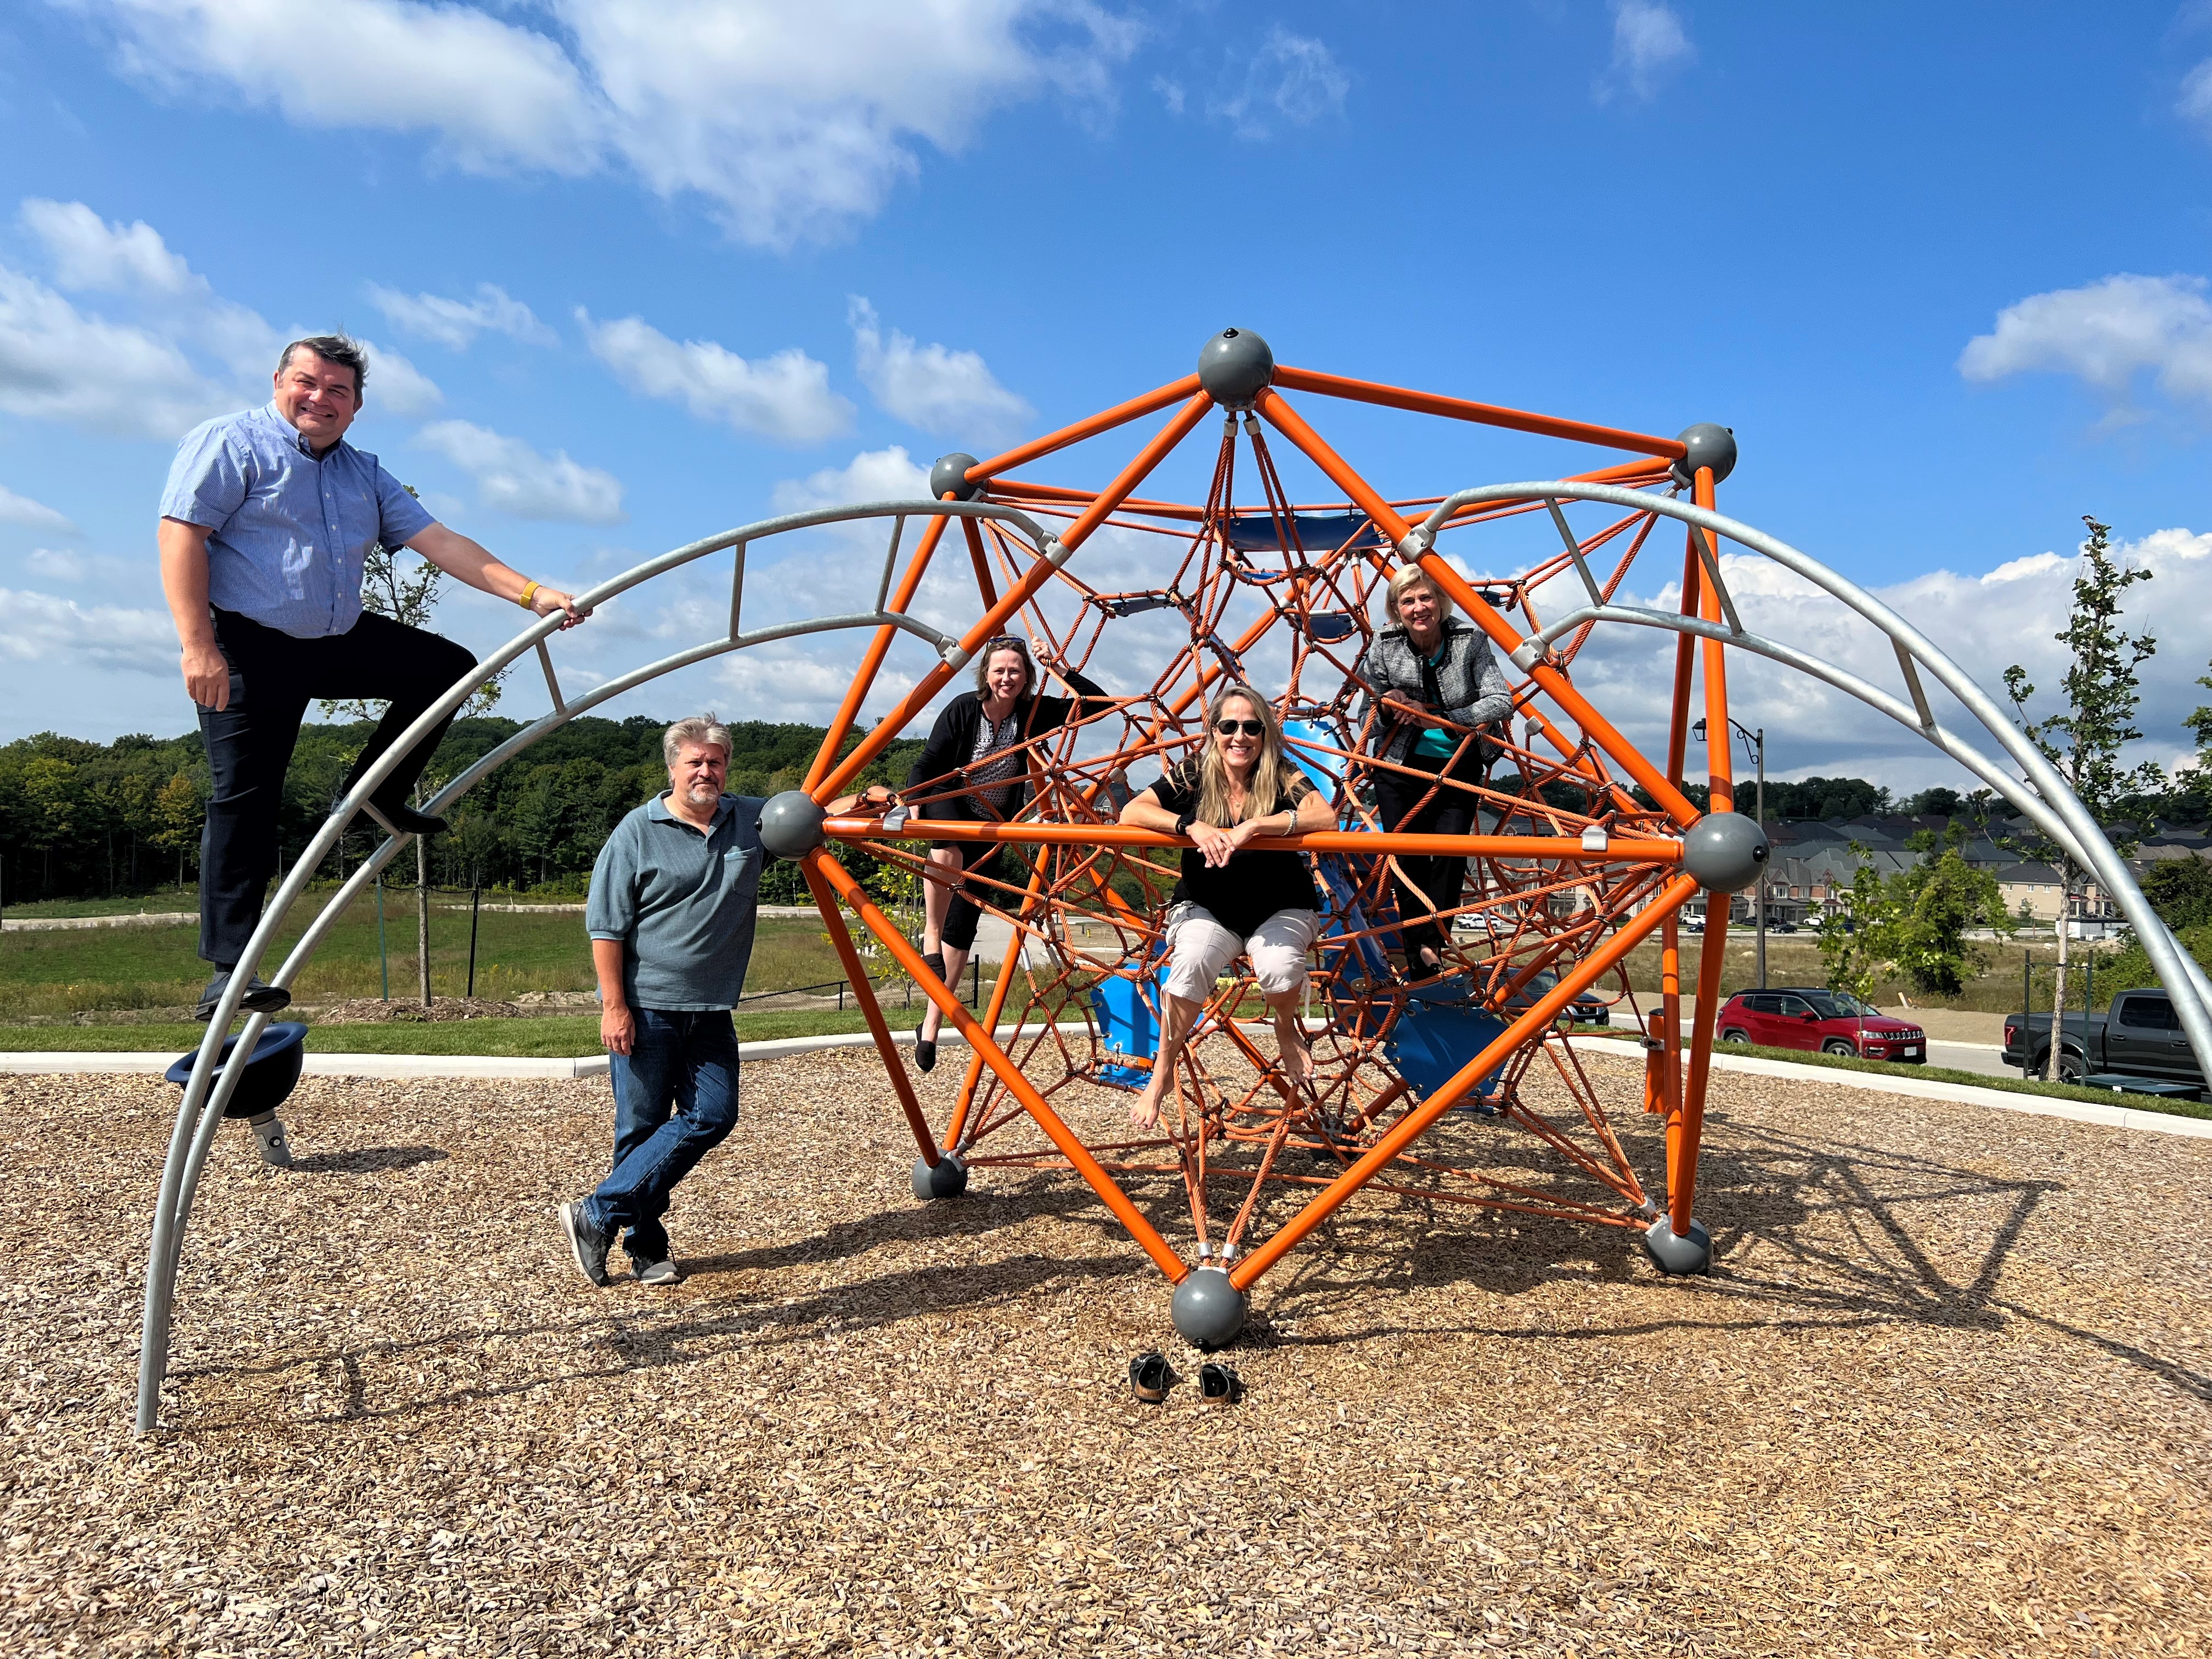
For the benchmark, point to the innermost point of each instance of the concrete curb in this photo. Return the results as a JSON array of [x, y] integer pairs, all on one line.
[[493, 1067]]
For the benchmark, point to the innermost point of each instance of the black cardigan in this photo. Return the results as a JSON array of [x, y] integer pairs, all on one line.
[[951, 744]]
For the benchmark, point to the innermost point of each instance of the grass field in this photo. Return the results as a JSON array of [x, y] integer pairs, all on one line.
[[75, 970]]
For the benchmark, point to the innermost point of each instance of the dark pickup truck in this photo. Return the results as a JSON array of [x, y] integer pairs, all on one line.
[[2142, 1036]]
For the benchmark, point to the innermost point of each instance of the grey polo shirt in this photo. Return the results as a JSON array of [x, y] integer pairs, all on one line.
[[681, 902]]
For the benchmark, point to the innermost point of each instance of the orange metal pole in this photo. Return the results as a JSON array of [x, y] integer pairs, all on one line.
[[889, 728], [1286, 421], [987, 1045], [1563, 849], [1104, 421], [1712, 947], [1460, 409], [864, 682], [1416, 1123], [864, 995], [981, 560]]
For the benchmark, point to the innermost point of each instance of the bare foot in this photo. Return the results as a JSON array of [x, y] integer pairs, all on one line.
[[1296, 1055], [1145, 1114], [1431, 961]]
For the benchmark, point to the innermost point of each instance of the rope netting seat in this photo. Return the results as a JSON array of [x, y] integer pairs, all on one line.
[[1464, 1084]]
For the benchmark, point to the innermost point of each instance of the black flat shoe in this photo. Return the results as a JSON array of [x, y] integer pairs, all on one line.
[[1149, 1379], [406, 821], [258, 999], [925, 1054]]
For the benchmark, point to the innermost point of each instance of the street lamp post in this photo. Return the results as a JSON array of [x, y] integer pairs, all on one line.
[[1756, 741]]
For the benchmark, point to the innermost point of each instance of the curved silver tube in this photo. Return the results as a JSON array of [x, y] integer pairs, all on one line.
[[199, 1113], [2184, 980]]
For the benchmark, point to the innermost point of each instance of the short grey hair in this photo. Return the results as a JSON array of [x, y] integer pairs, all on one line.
[[339, 349], [705, 729]]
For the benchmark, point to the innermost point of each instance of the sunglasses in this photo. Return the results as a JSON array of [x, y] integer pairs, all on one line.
[[1249, 728]]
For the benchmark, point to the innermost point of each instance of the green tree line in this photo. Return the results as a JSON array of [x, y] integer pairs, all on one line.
[[81, 819]]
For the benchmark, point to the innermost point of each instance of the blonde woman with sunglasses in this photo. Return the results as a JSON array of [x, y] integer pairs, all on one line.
[[1233, 897]]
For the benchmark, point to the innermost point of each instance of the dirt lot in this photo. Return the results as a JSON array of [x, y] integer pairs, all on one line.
[[1946, 1392]]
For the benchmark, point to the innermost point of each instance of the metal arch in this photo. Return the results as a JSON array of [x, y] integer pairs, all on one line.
[[2051, 797], [199, 1114]]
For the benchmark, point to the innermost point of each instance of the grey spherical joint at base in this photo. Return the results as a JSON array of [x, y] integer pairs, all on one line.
[[947, 1178], [791, 823], [1234, 367], [1710, 446], [1678, 1253], [1725, 851], [1208, 1309], [949, 477]]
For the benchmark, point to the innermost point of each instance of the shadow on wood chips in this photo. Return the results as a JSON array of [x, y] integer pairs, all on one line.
[[1947, 1387]]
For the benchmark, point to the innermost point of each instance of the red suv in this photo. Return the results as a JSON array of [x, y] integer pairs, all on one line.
[[1834, 1021]]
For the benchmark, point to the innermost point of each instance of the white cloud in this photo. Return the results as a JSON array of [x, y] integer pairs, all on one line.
[[793, 121], [2106, 333], [1650, 46], [1291, 78], [42, 628], [57, 565], [873, 475], [90, 252], [515, 479], [22, 509], [785, 396], [952, 393], [189, 355], [455, 323], [56, 363], [2195, 101], [1171, 93]]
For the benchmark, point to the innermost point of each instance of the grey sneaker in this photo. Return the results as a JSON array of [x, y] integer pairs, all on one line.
[[658, 1272], [585, 1242]]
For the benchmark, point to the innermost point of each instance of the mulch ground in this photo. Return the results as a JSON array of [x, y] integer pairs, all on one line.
[[1946, 1392]]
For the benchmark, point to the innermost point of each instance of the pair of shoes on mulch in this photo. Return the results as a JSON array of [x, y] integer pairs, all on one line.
[[1150, 1377], [589, 1246]]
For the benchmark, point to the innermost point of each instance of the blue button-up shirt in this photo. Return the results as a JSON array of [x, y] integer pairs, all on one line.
[[290, 529]]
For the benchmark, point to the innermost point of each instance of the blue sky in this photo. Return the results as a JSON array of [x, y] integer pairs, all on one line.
[[656, 271]]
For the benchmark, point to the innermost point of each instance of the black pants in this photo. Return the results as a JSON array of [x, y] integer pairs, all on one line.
[[1449, 812], [984, 858], [249, 745]]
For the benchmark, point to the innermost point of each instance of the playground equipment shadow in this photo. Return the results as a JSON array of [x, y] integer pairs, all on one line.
[[1948, 1388]]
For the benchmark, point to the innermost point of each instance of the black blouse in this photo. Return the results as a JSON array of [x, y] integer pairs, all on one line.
[[1254, 884]]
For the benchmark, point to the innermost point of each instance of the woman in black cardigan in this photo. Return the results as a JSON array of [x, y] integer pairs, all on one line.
[[976, 748]]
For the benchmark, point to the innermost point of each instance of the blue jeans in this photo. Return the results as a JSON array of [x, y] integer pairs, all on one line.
[[688, 1059]]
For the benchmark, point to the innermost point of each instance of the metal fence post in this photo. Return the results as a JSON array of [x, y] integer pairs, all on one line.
[[476, 908], [383, 962]]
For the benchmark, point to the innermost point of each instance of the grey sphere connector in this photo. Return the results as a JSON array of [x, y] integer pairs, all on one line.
[[1208, 1309], [1678, 1253], [1234, 367], [949, 477], [1725, 851], [791, 823], [948, 1179], [1710, 446]]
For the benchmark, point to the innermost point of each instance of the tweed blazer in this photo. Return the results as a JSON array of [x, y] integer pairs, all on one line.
[[1474, 688]]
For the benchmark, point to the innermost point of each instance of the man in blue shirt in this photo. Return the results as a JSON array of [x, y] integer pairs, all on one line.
[[674, 892], [265, 522]]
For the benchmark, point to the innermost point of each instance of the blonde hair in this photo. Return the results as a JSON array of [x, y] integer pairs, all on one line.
[[1270, 774], [1405, 576]]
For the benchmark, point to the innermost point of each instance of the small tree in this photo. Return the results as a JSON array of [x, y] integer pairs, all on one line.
[[2180, 891], [176, 817], [1931, 906], [1856, 932], [2102, 692]]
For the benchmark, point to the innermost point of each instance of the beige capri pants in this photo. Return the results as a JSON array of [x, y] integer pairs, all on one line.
[[1199, 948]]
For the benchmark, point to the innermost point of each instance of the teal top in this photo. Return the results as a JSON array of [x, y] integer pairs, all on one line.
[[1433, 745]]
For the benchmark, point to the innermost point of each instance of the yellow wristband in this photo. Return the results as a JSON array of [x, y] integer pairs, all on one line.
[[523, 597]]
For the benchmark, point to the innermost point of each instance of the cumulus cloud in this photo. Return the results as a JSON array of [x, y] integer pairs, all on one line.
[[2107, 333], [1291, 80], [57, 564], [22, 509], [1650, 46], [953, 393], [2195, 102], [187, 353], [785, 395], [455, 323], [791, 121], [43, 628], [515, 479]]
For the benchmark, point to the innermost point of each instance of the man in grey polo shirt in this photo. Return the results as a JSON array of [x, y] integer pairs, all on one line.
[[674, 892], [267, 518]]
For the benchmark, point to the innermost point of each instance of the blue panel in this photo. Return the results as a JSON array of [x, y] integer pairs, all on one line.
[[1128, 1025], [1432, 1041], [1317, 532]]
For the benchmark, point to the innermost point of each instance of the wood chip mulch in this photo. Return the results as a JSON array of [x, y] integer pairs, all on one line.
[[1949, 1391]]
